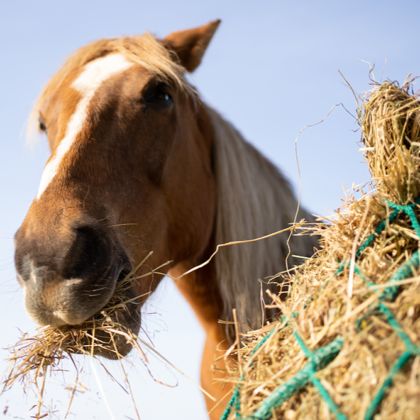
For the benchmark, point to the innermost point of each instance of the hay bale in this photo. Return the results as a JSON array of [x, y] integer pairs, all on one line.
[[348, 343]]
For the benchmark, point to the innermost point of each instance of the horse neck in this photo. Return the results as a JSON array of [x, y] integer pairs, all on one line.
[[253, 200]]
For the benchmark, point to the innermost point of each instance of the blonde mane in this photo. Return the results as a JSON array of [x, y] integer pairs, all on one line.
[[145, 50], [253, 200]]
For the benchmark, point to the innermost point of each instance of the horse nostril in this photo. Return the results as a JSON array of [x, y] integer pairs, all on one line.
[[89, 255]]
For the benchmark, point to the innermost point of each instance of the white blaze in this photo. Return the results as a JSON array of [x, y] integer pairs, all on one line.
[[87, 83]]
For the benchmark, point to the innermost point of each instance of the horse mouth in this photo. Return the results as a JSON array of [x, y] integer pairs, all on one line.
[[112, 331], [120, 320]]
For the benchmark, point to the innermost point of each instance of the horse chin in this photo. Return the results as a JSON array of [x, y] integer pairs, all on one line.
[[117, 346]]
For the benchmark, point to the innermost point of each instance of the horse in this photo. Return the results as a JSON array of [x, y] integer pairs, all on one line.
[[140, 163]]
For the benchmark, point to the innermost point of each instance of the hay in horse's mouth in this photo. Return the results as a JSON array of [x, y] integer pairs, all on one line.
[[111, 333]]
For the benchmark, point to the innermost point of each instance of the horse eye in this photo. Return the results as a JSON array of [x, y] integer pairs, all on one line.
[[159, 95], [162, 96], [42, 126]]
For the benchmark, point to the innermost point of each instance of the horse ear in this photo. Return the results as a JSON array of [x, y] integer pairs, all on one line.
[[191, 44]]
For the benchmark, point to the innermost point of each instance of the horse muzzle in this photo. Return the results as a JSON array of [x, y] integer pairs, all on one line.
[[67, 278]]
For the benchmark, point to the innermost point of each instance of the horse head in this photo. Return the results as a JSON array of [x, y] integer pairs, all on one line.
[[130, 172]]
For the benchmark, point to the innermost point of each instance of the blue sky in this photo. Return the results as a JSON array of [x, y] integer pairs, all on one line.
[[271, 69]]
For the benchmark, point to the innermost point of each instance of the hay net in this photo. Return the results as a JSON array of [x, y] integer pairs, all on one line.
[[348, 342]]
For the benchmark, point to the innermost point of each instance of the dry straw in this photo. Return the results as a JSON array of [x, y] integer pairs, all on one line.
[[348, 343]]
